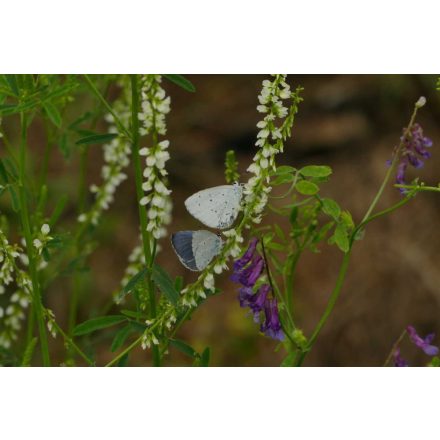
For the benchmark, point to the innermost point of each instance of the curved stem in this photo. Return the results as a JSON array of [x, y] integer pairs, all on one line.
[[124, 352], [394, 347]]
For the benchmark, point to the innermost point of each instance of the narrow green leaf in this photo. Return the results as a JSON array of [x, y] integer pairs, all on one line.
[[279, 232], [181, 81], [184, 348], [133, 314], [120, 337], [97, 139], [58, 210], [53, 113], [14, 199], [341, 238], [316, 171], [165, 284], [97, 323], [12, 83], [331, 208], [275, 246], [293, 215], [288, 360], [132, 283], [178, 283], [205, 357], [3, 173], [306, 188], [29, 351]]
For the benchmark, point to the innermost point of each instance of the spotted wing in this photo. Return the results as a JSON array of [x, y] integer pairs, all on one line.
[[216, 207]]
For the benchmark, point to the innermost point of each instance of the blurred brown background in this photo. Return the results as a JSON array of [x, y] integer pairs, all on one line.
[[352, 124]]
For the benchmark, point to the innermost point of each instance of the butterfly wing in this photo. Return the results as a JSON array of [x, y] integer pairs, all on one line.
[[216, 207], [196, 249]]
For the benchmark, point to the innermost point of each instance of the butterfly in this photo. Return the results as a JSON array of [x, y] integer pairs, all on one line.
[[217, 208]]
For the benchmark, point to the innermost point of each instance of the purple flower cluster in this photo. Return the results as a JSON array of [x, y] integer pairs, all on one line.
[[414, 152], [247, 270], [422, 343]]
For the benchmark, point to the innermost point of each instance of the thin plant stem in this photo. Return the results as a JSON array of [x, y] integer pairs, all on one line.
[[124, 352], [392, 166], [98, 94], [146, 240], [25, 220], [394, 348], [345, 261], [419, 187], [69, 341]]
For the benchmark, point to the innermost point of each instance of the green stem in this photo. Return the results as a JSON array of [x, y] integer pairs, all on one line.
[[392, 167], [330, 305], [146, 242], [394, 348], [419, 187], [25, 221], [124, 352], [72, 344], [104, 102]]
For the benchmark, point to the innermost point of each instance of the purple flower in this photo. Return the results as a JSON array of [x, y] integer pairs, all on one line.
[[255, 301], [250, 274], [398, 360], [247, 256], [414, 152], [272, 326], [423, 343]]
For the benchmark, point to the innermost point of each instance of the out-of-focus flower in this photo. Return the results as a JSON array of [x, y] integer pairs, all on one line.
[[413, 153], [398, 360], [423, 343]]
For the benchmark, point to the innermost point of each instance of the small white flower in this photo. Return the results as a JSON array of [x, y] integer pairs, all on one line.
[[37, 244], [45, 229]]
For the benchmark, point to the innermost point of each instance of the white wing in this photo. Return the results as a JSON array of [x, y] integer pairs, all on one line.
[[216, 207], [206, 246]]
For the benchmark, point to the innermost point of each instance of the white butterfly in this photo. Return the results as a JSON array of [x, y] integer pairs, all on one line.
[[217, 208], [196, 249]]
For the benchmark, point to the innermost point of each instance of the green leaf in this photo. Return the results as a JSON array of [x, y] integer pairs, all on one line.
[[132, 283], [347, 219], [331, 208], [52, 113], [341, 238], [97, 139], [205, 357], [3, 174], [165, 284], [184, 348], [97, 323], [12, 83], [279, 232], [181, 81], [306, 188], [316, 171], [58, 210], [29, 351], [178, 283], [284, 169], [283, 178], [435, 362], [293, 215], [133, 314], [275, 246], [120, 337], [14, 199]]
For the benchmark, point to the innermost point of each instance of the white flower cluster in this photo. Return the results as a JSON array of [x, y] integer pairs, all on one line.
[[12, 314], [155, 106], [256, 190], [270, 140], [116, 158], [50, 322]]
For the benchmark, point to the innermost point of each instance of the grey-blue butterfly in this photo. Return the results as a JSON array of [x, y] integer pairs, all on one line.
[[216, 208]]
